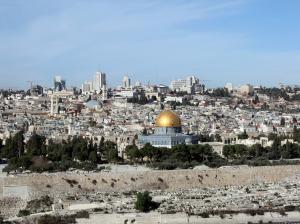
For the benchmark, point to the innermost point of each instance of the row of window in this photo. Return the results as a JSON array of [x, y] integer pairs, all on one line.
[[165, 142]]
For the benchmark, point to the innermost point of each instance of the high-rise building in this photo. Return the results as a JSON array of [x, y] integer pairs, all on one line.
[[98, 84], [59, 84], [190, 85], [126, 82], [192, 80], [246, 89], [138, 84], [99, 81], [229, 87], [87, 87]]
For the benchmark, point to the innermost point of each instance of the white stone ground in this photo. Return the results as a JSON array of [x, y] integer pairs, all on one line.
[[181, 218]]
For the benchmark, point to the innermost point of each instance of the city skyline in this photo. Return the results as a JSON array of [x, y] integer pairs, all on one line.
[[222, 41]]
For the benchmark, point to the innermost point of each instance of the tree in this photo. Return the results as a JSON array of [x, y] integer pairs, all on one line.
[[93, 157], [296, 134], [244, 135], [144, 132], [36, 145], [282, 121], [220, 92], [144, 202], [101, 145], [132, 152], [275, 152], [14, 146], [1, 146], [181, 153], [110, 151]]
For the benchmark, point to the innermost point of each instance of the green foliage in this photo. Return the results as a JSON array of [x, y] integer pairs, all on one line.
[[144, 202], [244, 135], [282, 121], [275, 93], [133, 153], [23, 212], [180, 156], [220, 92], [110, 151], [14, 146], [1, 146], [93, 157], [296, 134], [48, 219], [42, 204], [142, 99], [36, 145], [77, 152], [15, 163], [256, 155]]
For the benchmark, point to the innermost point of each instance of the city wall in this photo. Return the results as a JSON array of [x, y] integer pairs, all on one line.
[[60, 184]]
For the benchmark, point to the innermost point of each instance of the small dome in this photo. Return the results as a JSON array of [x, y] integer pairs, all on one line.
[[92, 104], [168, 119]]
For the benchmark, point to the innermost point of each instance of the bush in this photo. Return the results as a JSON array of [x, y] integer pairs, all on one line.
[[94, 182], [82, 215], [48, 219], [144, 202], [289, 208], [23, 212], [260, 161], [204, 215], [39, 205]]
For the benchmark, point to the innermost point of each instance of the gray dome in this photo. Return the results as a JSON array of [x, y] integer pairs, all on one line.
[[92, 104]]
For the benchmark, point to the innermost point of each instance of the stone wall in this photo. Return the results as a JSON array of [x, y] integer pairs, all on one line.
[[59, 184]]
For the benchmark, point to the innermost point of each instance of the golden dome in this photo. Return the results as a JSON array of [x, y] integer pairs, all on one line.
[[168, 119]]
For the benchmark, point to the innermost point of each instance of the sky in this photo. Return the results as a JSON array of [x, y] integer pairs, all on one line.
[[156, 41]]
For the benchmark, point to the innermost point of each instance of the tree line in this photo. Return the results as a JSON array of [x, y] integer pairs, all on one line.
[[179, 156], [259, 155], [36, 155], [39, 155]]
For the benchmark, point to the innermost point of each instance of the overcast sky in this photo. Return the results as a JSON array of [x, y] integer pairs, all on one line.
[[254, 41]]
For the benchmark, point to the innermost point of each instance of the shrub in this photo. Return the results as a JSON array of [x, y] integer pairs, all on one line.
[[48, 219], [39, 205], [23, 212], [144, 202], [94, 182], [160, 179], [104, 181], [204, 215], [289, 208], [82, 215]]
